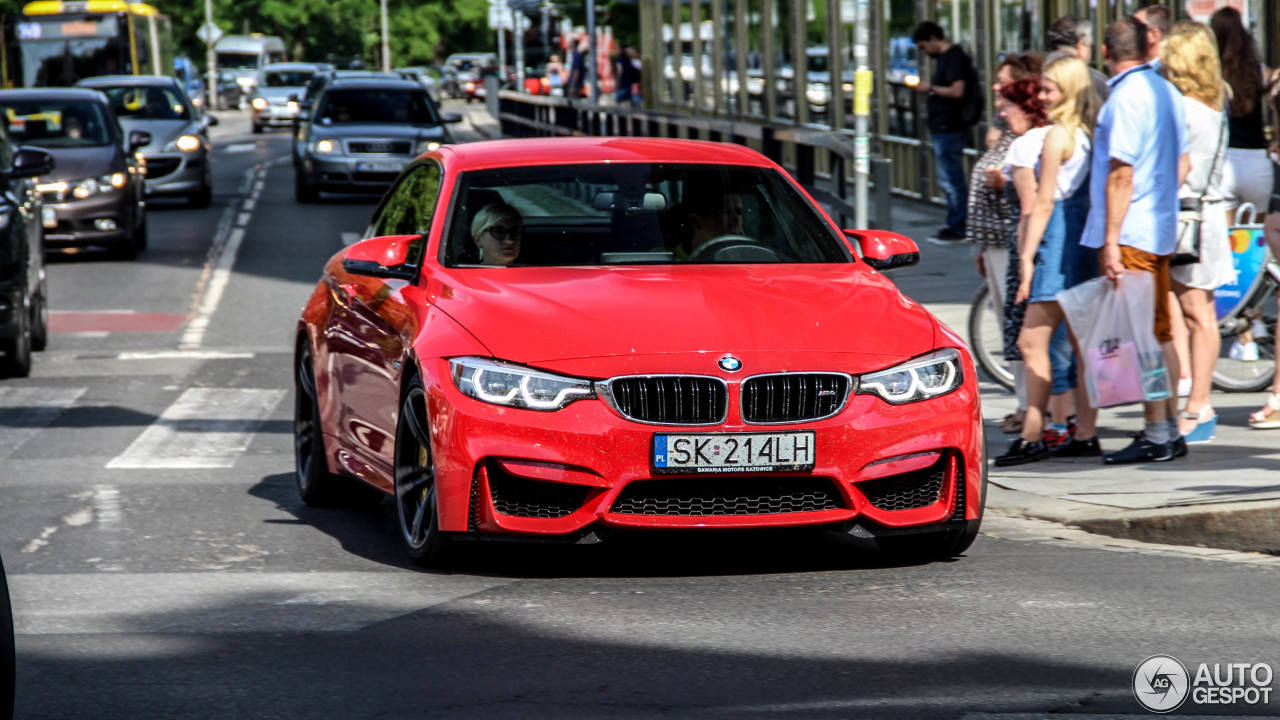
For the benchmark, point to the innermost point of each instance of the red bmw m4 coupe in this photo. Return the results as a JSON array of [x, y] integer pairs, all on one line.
[[560, 338]]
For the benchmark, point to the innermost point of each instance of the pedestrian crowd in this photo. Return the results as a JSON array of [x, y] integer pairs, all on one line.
[[1089, 175]]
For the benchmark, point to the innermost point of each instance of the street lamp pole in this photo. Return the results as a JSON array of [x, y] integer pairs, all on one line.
[[386, 43]]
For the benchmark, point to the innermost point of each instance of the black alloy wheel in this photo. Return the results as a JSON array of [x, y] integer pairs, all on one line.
[[17, 349], [316, 485], [40, 317], [417, 510], [204, 196]]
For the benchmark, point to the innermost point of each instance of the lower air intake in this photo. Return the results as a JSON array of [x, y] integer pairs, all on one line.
[[728, 496]]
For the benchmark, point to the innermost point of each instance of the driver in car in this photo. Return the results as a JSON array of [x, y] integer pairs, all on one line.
[[709, 215]]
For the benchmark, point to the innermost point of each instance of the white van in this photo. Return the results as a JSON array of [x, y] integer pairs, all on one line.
[[243, 56]]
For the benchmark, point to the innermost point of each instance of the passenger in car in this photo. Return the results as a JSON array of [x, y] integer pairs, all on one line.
[[497, 231]]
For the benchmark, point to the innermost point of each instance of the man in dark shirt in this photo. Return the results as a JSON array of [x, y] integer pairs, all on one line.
[[946, 90]]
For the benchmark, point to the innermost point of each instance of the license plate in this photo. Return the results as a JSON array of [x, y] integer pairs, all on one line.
[[733, 452], [49, 217], [384, 166]]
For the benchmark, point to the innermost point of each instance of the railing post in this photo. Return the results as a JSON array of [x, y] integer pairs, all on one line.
[[771, 148], [880, 170]]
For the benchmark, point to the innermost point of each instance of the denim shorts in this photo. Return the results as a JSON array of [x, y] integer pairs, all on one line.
[[1060, 261]]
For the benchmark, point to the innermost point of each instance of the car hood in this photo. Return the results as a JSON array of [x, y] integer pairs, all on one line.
[[545, 315], [162, 132], [82, 162], [352, 131]]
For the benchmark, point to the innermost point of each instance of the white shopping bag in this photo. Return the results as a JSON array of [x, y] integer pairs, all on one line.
[[1115, 323]]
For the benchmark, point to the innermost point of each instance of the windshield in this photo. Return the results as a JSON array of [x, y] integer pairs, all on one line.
[[376, 105], [61, 63], [239, 60], [57, 123], [147, 103], [287, 78], [628, 214]]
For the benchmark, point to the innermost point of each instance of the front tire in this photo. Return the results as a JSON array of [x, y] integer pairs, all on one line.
[[303, 191], [417, 506], [17, 350], [40, 318], [316, 485]]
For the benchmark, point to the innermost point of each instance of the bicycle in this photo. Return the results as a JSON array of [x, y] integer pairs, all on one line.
[[1247, 312]]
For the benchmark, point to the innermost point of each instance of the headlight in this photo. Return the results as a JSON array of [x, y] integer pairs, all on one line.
[[515, 386], [324, 146], [427, 146], [187, 143], [259, 103], [922, 378], [89, 187], [818, 94], [246, 83]]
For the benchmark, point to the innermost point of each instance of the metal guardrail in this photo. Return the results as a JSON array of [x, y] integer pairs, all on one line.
[[522, 115]]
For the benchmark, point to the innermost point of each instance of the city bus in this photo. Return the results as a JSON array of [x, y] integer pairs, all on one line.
[[54, 43]]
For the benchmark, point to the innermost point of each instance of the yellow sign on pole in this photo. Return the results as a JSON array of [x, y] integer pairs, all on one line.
[[862, 91]]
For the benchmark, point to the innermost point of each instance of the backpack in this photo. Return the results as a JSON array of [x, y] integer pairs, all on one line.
[[971, 110]]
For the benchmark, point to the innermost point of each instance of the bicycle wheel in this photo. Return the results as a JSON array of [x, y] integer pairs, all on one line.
[[986, 339], [1244, 373]]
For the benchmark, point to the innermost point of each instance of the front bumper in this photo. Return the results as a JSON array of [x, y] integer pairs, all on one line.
[[75, 220], [176, 173], [511, 471], [352, 174], [274, 116]]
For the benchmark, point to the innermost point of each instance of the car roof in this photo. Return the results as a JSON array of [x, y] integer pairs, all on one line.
[[348, 83], [586, 150], [293, 66], [58, 93], [128, 81]]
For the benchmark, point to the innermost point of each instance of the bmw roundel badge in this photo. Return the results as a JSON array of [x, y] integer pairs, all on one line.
[[729, 363]]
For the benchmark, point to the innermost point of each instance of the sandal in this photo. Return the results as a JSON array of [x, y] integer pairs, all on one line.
[[1011, 424], [1268, 417], [1206, 424]]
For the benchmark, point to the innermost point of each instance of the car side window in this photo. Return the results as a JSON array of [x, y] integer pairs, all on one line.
[[411, 204]]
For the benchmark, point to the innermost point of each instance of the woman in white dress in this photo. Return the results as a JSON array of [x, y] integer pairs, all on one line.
[[1190, 61]]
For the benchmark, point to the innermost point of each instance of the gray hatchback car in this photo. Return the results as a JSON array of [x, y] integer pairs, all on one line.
[[177, 157], [362, 132], [275, 99]]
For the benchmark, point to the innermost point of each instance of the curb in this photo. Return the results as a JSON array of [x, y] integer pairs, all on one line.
[[1242, 526]]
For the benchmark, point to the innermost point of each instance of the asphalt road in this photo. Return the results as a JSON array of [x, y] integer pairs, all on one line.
[[162, 565]]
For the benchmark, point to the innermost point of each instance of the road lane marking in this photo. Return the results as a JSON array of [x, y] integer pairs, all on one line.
[[258, 186], [106, 507], [208, 602], [350, 238], [24, 411], [240, 148], [243, 219], [185, 355], [221, 257], [203, 428], [37, 543], [249, 203]]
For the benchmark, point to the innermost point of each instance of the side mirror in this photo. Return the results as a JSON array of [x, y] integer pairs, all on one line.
[[210, 120], [29, 162], [450, 118], [138, 138], [382, 257], [884, 250]]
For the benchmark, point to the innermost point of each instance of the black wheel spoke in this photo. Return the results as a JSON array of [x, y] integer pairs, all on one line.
[[414, 424]]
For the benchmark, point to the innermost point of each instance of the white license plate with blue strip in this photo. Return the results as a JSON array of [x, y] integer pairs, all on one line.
[[733, 452]]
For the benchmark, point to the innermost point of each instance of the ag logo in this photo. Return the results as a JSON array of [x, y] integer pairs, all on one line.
[[1161, 683], [1109, 346]]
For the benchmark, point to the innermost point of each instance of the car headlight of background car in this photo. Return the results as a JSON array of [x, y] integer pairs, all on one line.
[[88, 187], [185, 143], [426, 146], [922, 378], [259, 103], [325, 147], [500, 383]]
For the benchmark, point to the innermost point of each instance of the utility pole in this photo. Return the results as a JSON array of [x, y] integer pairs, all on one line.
[[210, 61], [386, 42], [861, 113]]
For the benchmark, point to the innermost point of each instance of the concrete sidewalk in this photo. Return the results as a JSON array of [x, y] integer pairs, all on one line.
[[1224, 494]]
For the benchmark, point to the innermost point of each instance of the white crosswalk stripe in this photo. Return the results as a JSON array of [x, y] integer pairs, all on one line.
[[206, 602], [203, 428], [24, 411]]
